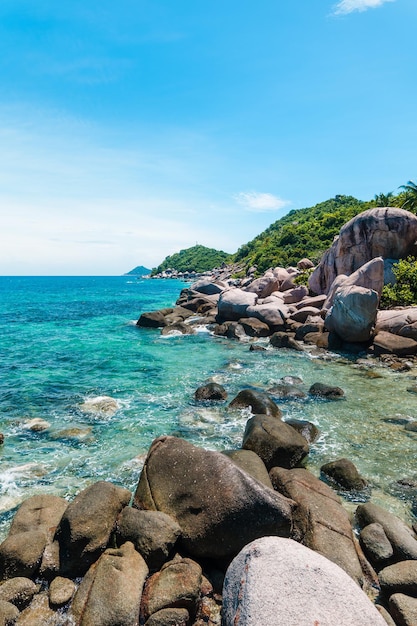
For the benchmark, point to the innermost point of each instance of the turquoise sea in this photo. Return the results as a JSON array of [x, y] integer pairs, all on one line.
[[65, 340]]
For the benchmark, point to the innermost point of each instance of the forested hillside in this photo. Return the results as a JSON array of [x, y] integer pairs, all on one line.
[[302, 233], [195, 259]]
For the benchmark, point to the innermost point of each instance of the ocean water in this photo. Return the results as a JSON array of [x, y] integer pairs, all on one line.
[[67, 340]]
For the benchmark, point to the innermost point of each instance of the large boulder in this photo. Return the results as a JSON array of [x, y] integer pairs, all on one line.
[[233, 304], [320, 521], [111, 591], [274, 441], [272, 313], [218, 506], [86, 526], [278, 581], [353, 313], [386, 232], [368, 276], [265, 285]]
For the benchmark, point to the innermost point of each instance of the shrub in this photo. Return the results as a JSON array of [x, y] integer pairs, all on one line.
[[404, 292]]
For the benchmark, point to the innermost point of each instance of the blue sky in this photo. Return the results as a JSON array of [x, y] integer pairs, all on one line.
[[131, 130]]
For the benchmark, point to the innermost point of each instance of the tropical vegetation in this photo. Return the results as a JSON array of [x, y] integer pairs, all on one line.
[[195, 259]]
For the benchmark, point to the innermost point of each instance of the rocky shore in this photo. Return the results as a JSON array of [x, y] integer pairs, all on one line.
[[244, 537]]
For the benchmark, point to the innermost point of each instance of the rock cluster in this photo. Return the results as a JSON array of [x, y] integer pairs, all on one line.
[[337, 310], [212, 538]]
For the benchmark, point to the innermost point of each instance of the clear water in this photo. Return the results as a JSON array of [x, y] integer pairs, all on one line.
[[66, 340]]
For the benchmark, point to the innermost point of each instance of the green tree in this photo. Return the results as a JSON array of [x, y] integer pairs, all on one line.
[[410, 202], [384, 199]]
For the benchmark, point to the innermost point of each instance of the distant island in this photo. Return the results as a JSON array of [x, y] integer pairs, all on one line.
[[140, 270]]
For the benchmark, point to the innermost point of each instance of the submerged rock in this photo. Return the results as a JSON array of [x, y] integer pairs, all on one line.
[[101, 404]]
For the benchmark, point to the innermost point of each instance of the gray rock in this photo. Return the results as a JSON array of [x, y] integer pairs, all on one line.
[[86, 525], [286, 392], [369, 276], [218, 506], [395, 320], [233, 304], [292, 296], [353, 313], [209, 287], [154, 534], [277, 581], [273, 313], [111, 591], [274, 441], [307, 429], [264, 286]]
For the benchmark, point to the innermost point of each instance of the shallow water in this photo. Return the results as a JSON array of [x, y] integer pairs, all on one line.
[[66, 340]]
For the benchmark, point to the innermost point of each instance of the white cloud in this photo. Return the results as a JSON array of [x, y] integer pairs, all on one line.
[[349, 6], [260, 202]]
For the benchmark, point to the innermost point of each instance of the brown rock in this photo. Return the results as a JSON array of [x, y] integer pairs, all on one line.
[[388, 343], [274, 441], [283, 340], [399, 578], [86, 525], [320, 521], [61, 591], [210, 392], [154, 534], [403, 609], [376, 545], [218, 506], [329, 392], [176, 585], [259, 402], [152, 319], [8, 613], [253, 327], [21, 554], [399, 534], [111, 591], [250, 463], [344, 473], [18, 591], [169, 617]]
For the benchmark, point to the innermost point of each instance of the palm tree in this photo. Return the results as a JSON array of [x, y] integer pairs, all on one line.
[[410, 201], [384, 199]]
